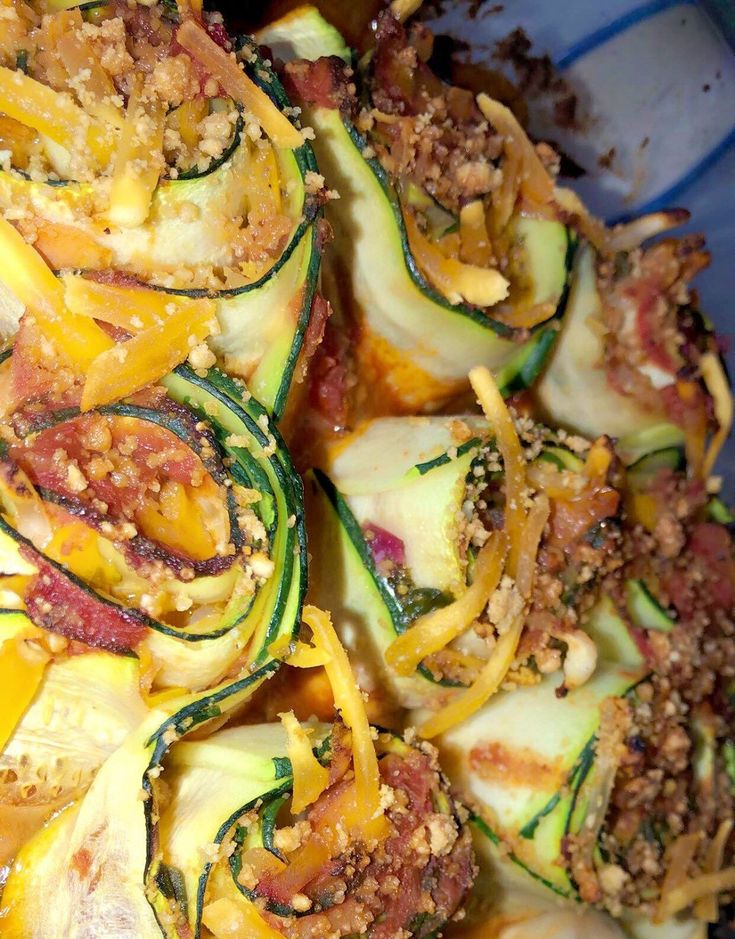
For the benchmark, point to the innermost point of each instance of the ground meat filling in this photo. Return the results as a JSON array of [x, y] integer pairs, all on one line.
[[422, 129], [676, 775], [408, 882], [580, 545], [122, 44], [654, 337], [456, 179]]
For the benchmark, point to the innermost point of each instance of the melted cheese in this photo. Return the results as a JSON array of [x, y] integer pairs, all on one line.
[[349, 701], [310, 778]]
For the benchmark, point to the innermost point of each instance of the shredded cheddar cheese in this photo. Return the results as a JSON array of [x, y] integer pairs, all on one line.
[[349, 701], [494, 672], [130, 308], [435, 630], [226, 70], [26, 274], [535, 181], [149, 356], [455, 280], [139, 160], [514, 463], [310, 778], [53, 114]]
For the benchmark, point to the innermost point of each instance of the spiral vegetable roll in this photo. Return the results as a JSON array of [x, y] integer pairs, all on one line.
[[146, 148], [168, 524]]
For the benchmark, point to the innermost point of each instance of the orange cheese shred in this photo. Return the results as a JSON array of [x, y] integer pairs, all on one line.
[[310, 778], [53, 114], [78, 339], [149, 356], [514, 463], [349, 701], [535, 182], [457, 282], [469, 701], [139, 160], [435, 630], [224, 67]]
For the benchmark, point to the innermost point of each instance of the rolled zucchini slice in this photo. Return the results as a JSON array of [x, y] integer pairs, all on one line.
[[63, 715], [169, 526], [614, 369], [406, 515], [239, 228], [233, 853], [422, 314], [529, 759]]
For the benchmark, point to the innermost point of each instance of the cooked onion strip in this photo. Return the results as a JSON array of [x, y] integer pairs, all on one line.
[[633, 234], [435, 630]]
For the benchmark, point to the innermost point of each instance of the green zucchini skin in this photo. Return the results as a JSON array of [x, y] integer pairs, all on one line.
[[400, 308], [119, 819], [423, 487], [575, 392], [523, 822], [149, 866], [262, 324], [266, 466]]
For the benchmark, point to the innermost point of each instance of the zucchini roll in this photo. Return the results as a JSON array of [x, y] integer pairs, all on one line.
[[635, 358], [145, 148], [167, 524], [449, 249], [260, 830], [620, 793], [454, 553]]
